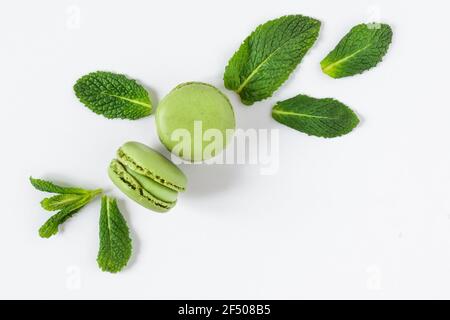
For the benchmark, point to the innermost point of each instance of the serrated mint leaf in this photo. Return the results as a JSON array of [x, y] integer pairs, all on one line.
[[326, 118], [360, 50], [51, 226], [113, 95], [115, 242], [48, 186], [269, 55]]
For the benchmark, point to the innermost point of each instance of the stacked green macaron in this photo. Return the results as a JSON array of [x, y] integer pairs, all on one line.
[[147, 177], [200, 110]]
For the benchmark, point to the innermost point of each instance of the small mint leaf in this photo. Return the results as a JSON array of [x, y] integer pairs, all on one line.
[[48, 186], [360, 50]]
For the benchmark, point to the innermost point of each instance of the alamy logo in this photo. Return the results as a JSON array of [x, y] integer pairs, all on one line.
[[250, 146], [73, 21], [73, 280]]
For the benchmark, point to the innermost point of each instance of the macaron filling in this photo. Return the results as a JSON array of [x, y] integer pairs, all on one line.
[[158, 190], [120, 171], [132, 164]]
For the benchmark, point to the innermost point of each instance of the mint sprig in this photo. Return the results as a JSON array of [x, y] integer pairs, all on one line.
[[68, 202]]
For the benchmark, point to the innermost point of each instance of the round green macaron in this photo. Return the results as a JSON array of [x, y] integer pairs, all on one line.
[[195, 121], [146, 176]]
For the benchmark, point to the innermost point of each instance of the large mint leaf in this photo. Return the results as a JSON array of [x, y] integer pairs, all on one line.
[[115, 242], [326, 118], [269, 55], [113, 95], [360, 50]]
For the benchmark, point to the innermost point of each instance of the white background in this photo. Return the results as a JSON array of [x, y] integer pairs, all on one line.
[[362, 216]]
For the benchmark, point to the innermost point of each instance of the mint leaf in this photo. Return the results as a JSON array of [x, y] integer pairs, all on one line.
[[60, 201], [113, 95], [50, 227], [360, 50], [115, 242], [48, 186], [269, 55], [326, 118], [68, 209]]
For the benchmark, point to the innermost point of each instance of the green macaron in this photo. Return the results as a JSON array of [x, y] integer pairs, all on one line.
[[147, 177], [195, 121]]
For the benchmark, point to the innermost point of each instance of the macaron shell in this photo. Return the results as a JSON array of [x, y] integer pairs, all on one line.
[[152, 164], [191, 102], [130, 187]]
